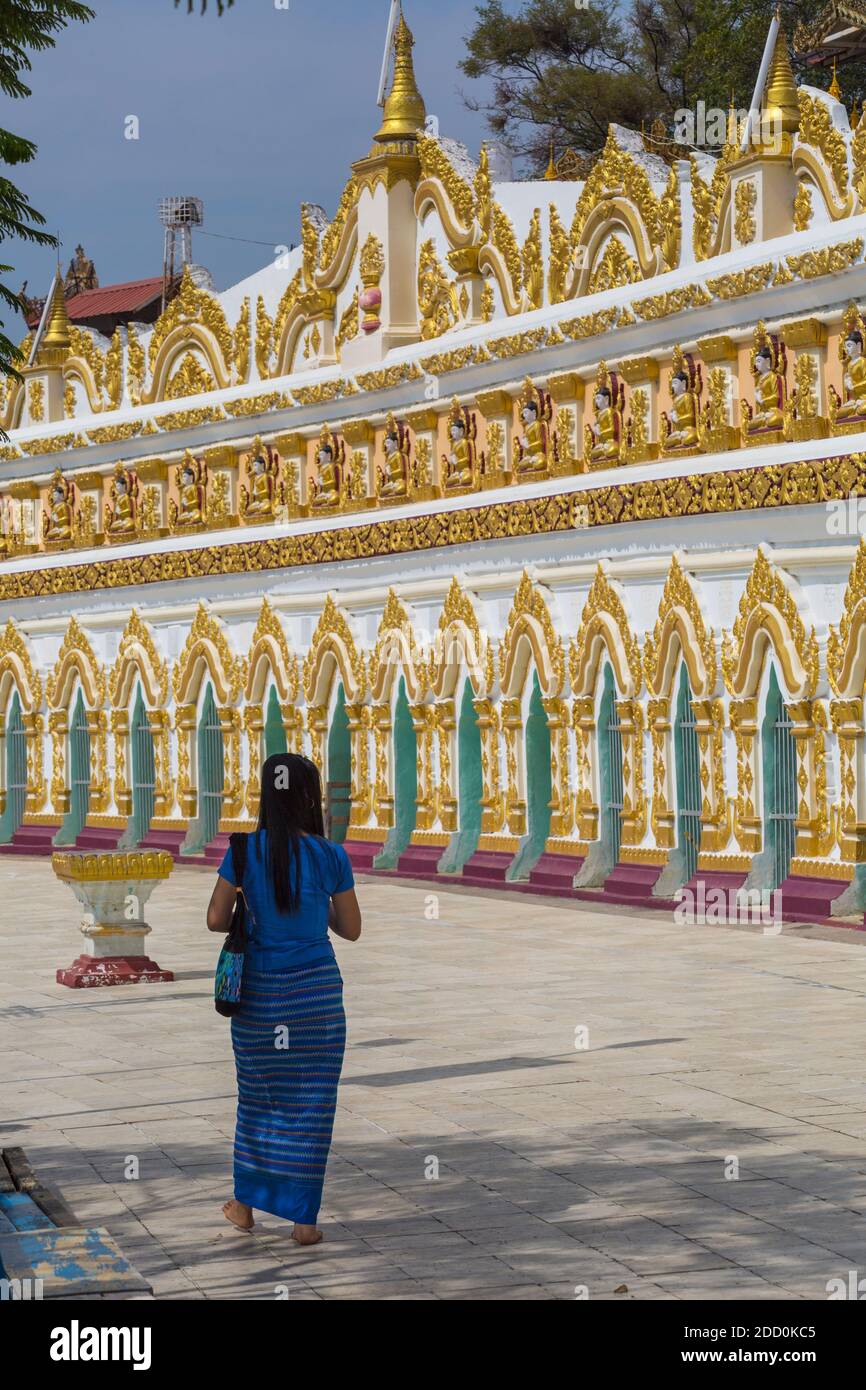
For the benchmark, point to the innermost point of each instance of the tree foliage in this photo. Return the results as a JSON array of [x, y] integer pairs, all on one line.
[[561, 72], [26, 26]]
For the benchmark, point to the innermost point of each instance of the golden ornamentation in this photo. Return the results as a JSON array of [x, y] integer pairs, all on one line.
[[533, 263], [614, 268], [817, 129], [207, 648], [560, 259], [603, 438], [137, 654], [530, 618], [438, 310], [264, 495], [679, 431], [36, 401], [746, 490], [334, 232], [842, 641], [742, 282], [333, 634], [716, 434], [114, 434], [745, 202], [604, 617], [58, 515], [76, 654], [191, 379], [257, 405], [534, 451], [828, 261], [241, 342], [328, 487], [768, 363], [191, 306], [121, 511], [264, 339], [802, 206], [191, 481], [659, 306], [270, 651], [396, 646], [349, 323], [617, 175], [848, 413], [768, 605], [459, 637], [435, 164], [680, 614]]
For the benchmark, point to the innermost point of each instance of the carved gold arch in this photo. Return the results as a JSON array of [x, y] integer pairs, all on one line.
[[207, 651], [812, 173], [333, 649], [458, 643], [680, 627], [846, 645], [76, 658], [610, 216], [396, 650], [444, 189], [137, 656], [79, 369], [530, 635], [269, 651], [16, 668], [769, 617], [339, 242], [186, 339], [604, 627]]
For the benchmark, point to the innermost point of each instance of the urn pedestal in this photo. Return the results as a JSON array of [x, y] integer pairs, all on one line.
[[113, 888]]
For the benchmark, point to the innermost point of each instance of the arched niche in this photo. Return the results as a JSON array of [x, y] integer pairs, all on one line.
[[680, 631], [531, 639], [769, 619], [605, 630], [459, 645], [396, 654]]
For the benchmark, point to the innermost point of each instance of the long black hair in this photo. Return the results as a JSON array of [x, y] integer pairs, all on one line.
[[290, 808]]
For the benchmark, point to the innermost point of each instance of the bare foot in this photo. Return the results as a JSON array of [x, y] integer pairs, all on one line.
[[307, 1235], [239, 1214]]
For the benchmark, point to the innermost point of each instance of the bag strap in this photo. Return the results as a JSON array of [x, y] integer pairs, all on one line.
[[239, 843]]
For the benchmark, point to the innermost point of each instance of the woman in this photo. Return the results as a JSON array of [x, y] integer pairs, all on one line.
[[290, 1032]]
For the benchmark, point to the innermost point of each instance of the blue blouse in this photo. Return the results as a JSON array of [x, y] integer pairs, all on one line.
[[281, 940]]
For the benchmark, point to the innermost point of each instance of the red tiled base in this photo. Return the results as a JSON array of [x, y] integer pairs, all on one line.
[[90, 972], [31, 839], [169, 840], [810, 897]]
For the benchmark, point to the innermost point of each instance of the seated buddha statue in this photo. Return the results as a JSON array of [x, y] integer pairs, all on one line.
[[57, 519], [532, 450], [679, 430], [120, 511], [394, 476], [191, 477], [460, 465], [326, 488], [852, 406], [769, 367], [260, 500], [604, 435]]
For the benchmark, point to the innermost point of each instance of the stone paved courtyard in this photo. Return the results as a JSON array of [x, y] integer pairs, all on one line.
[[559, 1167]]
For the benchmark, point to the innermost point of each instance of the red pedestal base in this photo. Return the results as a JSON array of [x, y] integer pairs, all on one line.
[[93, 972]]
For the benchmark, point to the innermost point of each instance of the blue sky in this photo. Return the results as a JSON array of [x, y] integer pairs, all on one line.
[[253, 112]]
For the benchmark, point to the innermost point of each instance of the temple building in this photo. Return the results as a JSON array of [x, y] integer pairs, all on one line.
[[530, 510]]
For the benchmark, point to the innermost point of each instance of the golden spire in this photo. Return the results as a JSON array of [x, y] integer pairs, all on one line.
[[780, 109], [56, 337], [405, 112], [551, 168], [835, 90], [733, 127]]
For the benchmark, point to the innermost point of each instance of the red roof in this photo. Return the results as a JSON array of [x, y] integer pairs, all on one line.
[[114, 299]]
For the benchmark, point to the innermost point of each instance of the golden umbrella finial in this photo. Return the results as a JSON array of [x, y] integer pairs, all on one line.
[[835, 89], [551, 168]]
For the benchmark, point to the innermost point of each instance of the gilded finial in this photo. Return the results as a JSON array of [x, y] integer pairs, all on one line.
[[56, 339], [405, 112], [780, 107], [835, 90], [551, 168]]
